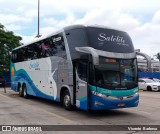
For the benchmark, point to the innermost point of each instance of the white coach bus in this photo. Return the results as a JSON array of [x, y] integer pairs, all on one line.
[[88, 67]]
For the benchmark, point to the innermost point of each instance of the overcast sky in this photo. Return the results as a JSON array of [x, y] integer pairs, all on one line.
[[140, 18]]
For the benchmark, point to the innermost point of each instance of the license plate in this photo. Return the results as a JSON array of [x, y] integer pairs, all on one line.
[[121, 105]]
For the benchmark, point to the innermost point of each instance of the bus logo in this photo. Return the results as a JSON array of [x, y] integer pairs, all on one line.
[[6, 128], [33, 65], [119, 40]]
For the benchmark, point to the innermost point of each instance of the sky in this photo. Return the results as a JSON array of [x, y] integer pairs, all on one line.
[[139, 18]]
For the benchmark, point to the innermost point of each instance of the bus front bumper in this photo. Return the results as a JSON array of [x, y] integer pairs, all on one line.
[[102, 102]]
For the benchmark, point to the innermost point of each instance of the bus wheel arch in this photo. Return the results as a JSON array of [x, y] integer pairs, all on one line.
[[65, 98]]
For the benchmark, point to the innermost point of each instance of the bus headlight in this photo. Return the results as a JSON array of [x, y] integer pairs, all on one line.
[[107, 97], [96, 103]]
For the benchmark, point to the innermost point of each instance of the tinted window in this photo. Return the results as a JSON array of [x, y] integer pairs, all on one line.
[[28, 53], [14, 56], [58, 46], [20, 55], [52, 46], [76, 38], [81, 68], [140, 81], [116, 73]]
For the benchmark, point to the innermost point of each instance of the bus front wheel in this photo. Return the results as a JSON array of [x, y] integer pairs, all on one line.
[[67, 100]]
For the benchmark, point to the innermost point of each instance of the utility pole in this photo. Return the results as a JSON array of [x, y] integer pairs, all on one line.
[[38, 34]]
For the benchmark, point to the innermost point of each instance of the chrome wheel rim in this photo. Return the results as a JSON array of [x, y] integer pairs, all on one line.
[[24, 92], [67, 100]]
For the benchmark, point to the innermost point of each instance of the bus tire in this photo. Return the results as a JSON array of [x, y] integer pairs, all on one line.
[[24, 89], [67, 100], [20, 90]]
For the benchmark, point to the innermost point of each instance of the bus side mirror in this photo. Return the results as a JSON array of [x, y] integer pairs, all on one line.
[[90, 50]]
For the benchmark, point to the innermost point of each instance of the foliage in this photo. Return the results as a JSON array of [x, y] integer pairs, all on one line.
[[8, 41]]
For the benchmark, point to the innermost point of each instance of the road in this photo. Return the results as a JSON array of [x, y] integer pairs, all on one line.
[[15, 110]]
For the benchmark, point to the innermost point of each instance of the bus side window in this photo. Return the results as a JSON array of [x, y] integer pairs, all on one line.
[[44, 48], [59, 46], [14, 56], [51, 50], [20, 55], [37, 50], [28, 53]]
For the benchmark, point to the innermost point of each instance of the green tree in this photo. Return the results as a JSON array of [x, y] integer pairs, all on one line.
[[8, 41]]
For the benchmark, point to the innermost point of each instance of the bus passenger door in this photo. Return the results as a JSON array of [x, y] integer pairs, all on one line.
[[81, 85]]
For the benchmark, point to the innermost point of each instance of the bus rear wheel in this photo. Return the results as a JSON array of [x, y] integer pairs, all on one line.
[[20, 90], [24, 89], [67, 100]]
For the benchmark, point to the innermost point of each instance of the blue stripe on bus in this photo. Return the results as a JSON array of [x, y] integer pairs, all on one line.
[[22, 76], [83, 103], [108, 104]]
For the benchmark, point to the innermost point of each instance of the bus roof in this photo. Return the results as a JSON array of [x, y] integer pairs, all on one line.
[[65, 29], [37, 39], [83, 26]]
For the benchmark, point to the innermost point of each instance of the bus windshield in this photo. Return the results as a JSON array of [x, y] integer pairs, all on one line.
[[116, 73]]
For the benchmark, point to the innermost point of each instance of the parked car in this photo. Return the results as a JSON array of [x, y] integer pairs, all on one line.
[[148, 84], [155, 79]]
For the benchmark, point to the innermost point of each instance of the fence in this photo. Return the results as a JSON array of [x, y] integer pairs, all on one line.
[[149, 75], [7, 78]]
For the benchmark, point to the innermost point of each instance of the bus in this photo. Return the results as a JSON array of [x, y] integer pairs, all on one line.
[[87, 67]]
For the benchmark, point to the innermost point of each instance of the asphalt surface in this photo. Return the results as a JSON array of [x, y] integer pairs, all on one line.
[[15, 110]]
